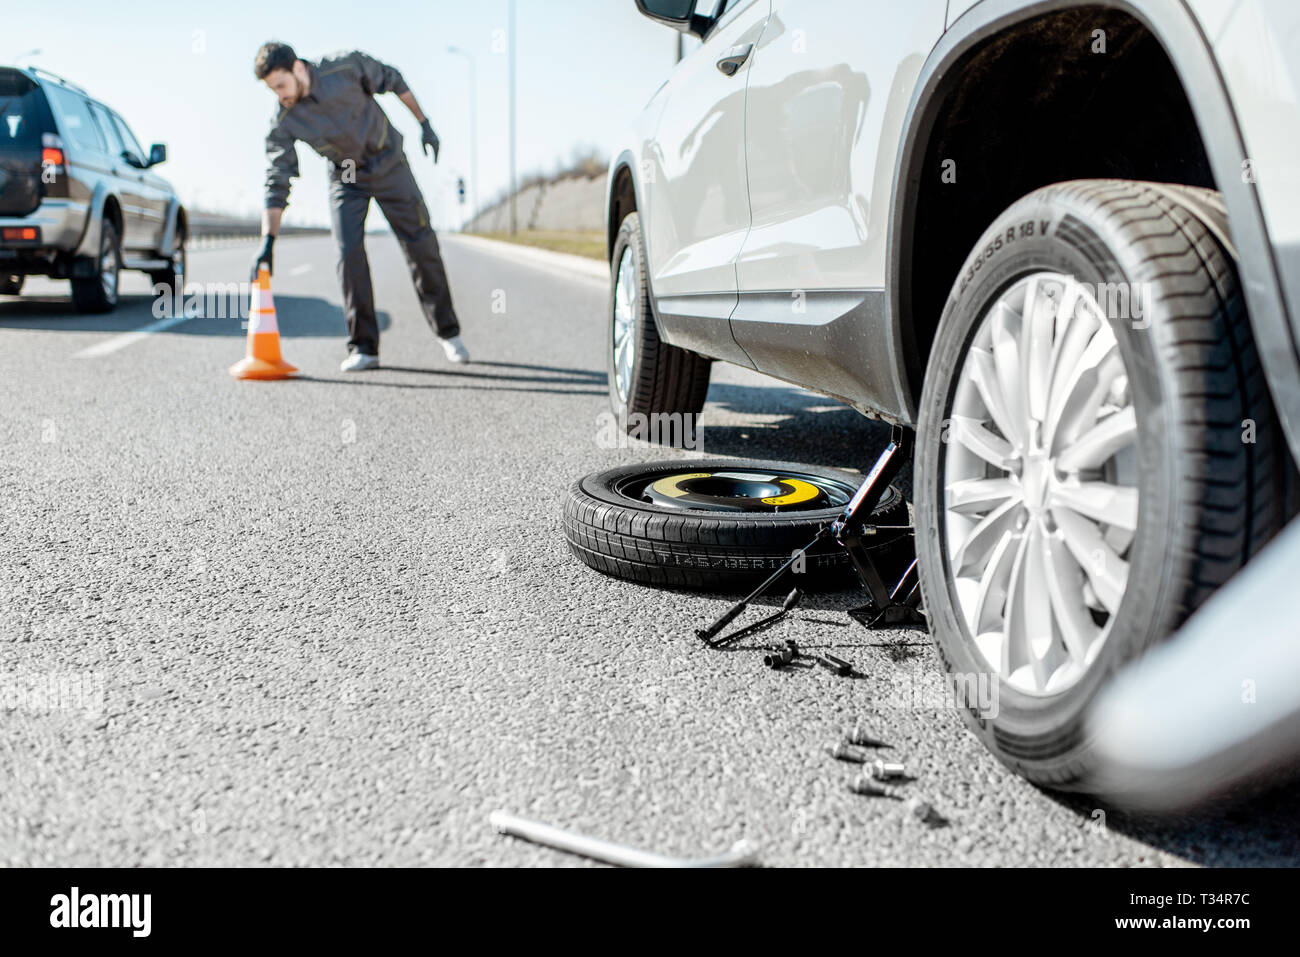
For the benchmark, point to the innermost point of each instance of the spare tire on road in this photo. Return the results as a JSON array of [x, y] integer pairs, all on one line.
[[721, 525]]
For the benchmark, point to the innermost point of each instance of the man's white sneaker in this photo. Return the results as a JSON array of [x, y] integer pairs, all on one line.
[[455, 349], [359, 362]]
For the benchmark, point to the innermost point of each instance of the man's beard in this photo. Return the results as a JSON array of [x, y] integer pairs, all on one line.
[[299, 91]]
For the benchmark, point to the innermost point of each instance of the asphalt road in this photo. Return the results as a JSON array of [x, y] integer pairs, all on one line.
[[334, 621]]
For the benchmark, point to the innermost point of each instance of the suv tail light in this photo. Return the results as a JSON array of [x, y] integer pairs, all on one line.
[[20, 234], [54, 166]]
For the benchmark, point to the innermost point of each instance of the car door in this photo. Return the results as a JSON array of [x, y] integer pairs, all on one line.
[[152, 203], [695, 182], [125, 181], [828, 91]]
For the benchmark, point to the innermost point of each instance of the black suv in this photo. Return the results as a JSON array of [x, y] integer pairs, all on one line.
[[78, 198]]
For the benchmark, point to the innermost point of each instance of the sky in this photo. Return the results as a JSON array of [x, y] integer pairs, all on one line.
[[181, 74]]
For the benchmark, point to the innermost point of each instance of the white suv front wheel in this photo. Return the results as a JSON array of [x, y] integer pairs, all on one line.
[[1096, 453]]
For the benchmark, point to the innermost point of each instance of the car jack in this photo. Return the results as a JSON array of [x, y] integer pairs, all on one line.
[[886, 605], [900, 604]]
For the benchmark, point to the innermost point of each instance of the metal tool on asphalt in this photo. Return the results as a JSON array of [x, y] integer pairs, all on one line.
[[263, 359], [741, 854], [791, 600], [706, 635], [860, 736], [885, 770], [921, 809], [896, 604], [865, 784], [781, 655], [836, 666], [842, 751], [899, 604]]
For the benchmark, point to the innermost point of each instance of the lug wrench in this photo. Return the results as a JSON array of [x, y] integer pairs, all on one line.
[[706, 635], [791, 600], [742, 853]]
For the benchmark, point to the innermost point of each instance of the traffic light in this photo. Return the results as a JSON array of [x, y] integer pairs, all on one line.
[[460, 190]]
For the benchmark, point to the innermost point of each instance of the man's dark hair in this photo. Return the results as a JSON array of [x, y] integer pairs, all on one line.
[[274, 56]]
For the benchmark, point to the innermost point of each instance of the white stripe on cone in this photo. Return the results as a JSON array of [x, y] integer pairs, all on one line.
[[261, 317]]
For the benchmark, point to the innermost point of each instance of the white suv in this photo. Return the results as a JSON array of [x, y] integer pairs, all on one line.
[[1059, 240]]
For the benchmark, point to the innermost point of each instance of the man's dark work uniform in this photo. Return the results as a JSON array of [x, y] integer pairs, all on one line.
[[341, 121]]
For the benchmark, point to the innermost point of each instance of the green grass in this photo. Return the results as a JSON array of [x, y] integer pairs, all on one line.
[[588, 244]]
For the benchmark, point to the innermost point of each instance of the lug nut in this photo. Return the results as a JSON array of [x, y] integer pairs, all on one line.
[[859, 735], [836, 666], [921, 810], [863, 784], [885, 770], [779, 657], [843, 752]]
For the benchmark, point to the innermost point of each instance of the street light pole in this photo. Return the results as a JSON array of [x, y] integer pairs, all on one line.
[[473, 128], [514, 180]]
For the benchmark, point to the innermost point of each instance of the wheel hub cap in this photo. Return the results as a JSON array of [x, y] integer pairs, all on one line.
[[1040, 482], [624, 325], [741, 490], [1035, 475]]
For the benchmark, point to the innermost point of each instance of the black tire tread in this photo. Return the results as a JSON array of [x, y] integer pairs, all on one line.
[[702, 549], [88, 293], [669, 379], [1230, 500]]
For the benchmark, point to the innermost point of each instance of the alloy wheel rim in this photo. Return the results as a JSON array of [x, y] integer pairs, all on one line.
[[1040, 483], [624, 333], [108, 269], [737, 489]]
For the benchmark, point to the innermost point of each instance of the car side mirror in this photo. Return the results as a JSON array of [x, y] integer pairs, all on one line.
[[157, 154], [678, 14]]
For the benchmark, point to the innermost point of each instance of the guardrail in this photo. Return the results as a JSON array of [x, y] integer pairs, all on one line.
[[210, 230]]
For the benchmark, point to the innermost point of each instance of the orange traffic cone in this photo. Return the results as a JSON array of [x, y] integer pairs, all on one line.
[[263, 360]]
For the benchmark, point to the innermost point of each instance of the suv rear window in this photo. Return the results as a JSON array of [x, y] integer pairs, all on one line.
[[23, 116], [74, 117]]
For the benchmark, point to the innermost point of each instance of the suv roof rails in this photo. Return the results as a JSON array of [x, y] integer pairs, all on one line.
[[50, 75]]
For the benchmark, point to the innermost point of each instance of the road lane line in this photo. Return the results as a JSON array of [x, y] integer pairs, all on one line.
[[300, 270], [129, 338]]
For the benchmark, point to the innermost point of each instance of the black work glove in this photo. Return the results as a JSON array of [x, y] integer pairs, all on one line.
[[263, 256], [430, 138]]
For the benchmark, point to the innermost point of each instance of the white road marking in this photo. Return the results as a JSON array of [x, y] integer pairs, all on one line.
[[129, 338], [300, 270]]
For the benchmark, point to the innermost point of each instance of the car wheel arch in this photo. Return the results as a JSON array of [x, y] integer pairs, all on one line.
[[177, 225], [113, 213], [624, 188], [622, 197], [103, 203], [1192, 61]]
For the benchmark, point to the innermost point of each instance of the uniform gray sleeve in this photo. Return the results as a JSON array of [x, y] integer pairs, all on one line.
[[281, 167], [378, 77]]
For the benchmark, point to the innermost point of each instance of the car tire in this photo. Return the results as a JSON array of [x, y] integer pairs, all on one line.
[[173, 277], [647, 376], [1062, 598], [11, 285], [98, 292], [612, 525]]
